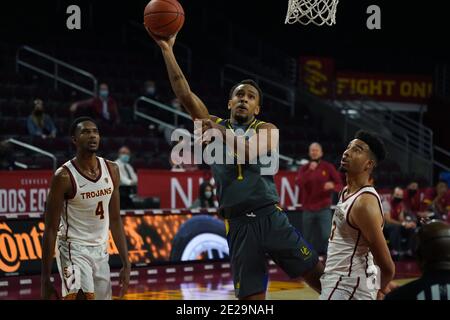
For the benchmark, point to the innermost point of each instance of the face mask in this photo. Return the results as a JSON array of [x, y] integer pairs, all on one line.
[[104, 93], [412, 192], [124, 158], [208, 194], [397, 200], [38, 112], [150, 90]]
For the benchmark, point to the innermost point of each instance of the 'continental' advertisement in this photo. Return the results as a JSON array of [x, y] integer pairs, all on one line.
[[151, 239]]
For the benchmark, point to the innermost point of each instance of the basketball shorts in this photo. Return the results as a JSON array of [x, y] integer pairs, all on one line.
[[339, 287], [85, 268], [251, 238]]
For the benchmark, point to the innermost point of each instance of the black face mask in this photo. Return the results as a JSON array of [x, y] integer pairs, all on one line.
[[397, 200], [412, 192]]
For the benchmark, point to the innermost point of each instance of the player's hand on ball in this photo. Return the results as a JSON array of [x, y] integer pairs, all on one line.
[[165, 44]]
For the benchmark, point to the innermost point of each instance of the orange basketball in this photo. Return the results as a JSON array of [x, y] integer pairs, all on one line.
[[164, 18]]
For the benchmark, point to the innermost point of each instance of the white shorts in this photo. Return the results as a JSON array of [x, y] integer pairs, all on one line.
[[338, 287], [85, 268]]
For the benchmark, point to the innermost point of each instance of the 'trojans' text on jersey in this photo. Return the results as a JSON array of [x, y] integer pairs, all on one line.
[[94, 194]]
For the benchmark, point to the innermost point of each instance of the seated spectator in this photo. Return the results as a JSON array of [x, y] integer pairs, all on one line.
[[39, 123], [437, 201], [102, 107], [398, 225], [412, 201], [445, 176], [128, 178], [150, 90], [205, 197]]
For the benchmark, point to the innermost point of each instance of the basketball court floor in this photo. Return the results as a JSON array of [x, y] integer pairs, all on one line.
[[199, 281]]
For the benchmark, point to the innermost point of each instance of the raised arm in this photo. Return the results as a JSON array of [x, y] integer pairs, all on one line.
[[180, 86], [366, 215], [59, 189]]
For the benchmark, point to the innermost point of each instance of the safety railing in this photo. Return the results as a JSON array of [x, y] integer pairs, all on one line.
[[274, 91], [401, 128], [56, 70], [421, 136], [442, 153], [34, 149], [157, 104]]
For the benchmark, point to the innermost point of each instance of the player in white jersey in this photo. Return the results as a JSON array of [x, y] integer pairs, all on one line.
[[356, 237], [82, 205]]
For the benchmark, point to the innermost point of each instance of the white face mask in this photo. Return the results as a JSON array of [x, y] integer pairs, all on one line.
[[150, 90], [124, 158], [104, 93], [208, 194]]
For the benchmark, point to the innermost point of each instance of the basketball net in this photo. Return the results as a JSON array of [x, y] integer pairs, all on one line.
[[318, 12]]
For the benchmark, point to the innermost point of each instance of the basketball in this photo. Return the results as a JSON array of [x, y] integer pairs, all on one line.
[[164, 18]]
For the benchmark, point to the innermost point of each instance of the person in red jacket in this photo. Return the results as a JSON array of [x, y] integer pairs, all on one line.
[[399, 224], [317, 180], [412, 200], [101, 107]]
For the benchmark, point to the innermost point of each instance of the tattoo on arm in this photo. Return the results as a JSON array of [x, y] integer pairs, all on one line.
[[178, 77]]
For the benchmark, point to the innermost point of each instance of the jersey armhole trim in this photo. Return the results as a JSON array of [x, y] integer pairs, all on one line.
[[109, 171], [350, 209], [258, 124], [72, 182]]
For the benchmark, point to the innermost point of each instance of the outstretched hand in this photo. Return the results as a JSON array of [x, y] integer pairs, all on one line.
[[165, 44]]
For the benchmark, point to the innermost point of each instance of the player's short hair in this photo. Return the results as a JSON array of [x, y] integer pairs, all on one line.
[[74, 125], [376, 145], [253, 84]]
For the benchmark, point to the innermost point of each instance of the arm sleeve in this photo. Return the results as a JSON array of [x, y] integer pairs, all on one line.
[[124, 180], [336, 178], [133, 174], [33, 128], [49, 124], [299, 176], [299, 182]]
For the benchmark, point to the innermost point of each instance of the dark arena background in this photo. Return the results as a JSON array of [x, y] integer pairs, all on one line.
[[320, 84]]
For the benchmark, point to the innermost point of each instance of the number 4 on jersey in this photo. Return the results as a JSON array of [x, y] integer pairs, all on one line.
[[99, 211]]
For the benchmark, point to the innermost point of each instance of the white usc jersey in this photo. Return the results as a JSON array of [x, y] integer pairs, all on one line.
[[85, 219], [348, 252]]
